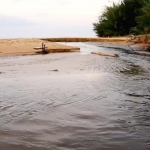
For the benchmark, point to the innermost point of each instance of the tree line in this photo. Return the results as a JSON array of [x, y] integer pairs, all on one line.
[[124, 18]]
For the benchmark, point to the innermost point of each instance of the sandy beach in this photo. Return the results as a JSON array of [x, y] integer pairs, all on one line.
[[9, 47], [26, 46], [140, 42]]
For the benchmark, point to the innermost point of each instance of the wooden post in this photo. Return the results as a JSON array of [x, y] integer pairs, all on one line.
[[43, 48]]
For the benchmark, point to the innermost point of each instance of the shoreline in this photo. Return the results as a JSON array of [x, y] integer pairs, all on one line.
[[22, 47], [141, 42]]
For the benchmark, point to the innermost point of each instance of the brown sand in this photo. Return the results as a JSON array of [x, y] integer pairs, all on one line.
[[141, 42], [25, 47], [67, 39]]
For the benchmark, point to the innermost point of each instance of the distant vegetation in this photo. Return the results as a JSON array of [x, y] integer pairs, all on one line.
[[124, 18]]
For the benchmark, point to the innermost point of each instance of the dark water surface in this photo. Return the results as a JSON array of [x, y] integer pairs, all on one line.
[[90, 103]]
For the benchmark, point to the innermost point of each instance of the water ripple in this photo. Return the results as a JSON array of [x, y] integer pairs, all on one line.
[[91, 102]]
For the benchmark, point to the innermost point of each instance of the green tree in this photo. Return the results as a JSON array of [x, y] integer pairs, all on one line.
[[144, 19], [131, 9], [109, 22], [120, 18]]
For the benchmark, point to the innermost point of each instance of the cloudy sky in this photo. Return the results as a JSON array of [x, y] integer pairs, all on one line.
[[49, 18]]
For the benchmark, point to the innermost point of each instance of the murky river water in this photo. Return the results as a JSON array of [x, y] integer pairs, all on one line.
[[90, 103]]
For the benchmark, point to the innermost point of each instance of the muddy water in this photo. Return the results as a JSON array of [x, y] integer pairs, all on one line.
[[88, 103]]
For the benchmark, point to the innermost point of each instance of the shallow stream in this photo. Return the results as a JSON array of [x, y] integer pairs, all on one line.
[[75, 101]]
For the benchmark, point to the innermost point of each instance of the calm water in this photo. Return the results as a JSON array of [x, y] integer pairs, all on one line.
[[90, 103]]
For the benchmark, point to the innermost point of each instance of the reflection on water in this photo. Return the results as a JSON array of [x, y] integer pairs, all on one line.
[[90, 103]]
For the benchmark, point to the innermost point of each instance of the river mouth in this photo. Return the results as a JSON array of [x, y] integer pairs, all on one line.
[[90, 102]]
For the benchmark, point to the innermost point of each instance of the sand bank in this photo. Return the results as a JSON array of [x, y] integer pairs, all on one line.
[[141, 42], [25, 47], [77, 39]]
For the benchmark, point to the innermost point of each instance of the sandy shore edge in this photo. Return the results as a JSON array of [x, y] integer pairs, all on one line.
[[15, 47], [141, 42]]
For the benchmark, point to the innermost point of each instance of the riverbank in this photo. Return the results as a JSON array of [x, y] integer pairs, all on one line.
[[77, 39], [13, 47], [141, 42]]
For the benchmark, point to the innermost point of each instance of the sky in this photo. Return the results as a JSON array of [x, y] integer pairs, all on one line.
[[49, 18]]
